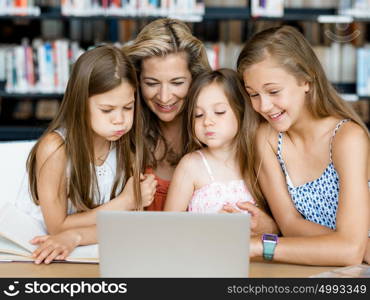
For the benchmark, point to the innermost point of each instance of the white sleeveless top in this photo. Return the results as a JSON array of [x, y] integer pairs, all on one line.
[[105, 175]]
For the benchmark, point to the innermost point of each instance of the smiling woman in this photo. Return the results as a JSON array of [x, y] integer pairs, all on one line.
[[167, 57]]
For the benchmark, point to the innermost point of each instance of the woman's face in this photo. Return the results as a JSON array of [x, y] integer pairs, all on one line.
[[164, 83]]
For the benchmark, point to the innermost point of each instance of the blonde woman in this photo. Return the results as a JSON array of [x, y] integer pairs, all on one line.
[[312, 154], [167, 57]]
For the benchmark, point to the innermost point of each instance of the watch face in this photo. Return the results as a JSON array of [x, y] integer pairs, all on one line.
[[269, 237]]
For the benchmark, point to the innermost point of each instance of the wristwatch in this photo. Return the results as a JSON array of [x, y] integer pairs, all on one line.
[[269, 242]]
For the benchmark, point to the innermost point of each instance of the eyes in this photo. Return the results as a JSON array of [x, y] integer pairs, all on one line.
[[199, 115], [274, 92], [152, 84], [126, 108]]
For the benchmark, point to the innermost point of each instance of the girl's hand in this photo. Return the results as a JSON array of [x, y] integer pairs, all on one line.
[[148, 186], [57, 246], [261, 222]]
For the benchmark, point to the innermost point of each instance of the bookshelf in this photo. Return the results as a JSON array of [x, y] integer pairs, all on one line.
[[32, 128]]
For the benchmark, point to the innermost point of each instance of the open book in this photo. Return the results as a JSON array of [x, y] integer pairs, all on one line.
[[17, 229]]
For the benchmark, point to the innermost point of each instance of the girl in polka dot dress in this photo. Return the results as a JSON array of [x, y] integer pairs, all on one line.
[[85, 161], [220, 125], [313, 153]]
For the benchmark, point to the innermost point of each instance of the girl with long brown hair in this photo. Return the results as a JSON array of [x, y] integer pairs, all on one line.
[[90, 157], [311, 154], [219, 125]]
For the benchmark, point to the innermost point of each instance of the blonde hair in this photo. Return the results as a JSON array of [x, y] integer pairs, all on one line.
[[95, 72], [288, 47], [158, 39]]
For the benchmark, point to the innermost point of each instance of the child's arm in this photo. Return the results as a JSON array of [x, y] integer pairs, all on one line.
[[60, 245], [273, 185], [182, 185], [52, 189], [344, 246]]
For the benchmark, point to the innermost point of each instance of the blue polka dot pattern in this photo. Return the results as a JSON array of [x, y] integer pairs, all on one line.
[[317, 200]]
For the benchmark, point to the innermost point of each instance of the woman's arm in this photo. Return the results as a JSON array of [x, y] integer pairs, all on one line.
[[182, 185], [344, 246], [52, 189]]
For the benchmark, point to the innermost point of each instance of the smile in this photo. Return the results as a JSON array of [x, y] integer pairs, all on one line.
[[277, 116], [166, 108]]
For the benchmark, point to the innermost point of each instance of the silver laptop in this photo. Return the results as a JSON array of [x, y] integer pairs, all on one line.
[[173, 244]]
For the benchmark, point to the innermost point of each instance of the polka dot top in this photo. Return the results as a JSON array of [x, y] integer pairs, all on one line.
[[317, 200]]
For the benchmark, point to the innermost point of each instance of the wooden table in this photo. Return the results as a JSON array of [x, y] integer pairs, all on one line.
[[257, 269]]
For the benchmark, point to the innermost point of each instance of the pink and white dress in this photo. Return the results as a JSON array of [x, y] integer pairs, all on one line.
[[213, 196]]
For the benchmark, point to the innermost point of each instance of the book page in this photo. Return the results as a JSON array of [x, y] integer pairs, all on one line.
[[85, 254], [19, 227], [7, 246]]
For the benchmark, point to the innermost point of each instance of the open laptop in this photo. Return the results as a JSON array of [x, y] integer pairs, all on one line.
[[173, 244]]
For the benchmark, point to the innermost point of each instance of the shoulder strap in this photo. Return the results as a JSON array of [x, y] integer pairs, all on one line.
[[334, 133], [279, 146], [206, 165]]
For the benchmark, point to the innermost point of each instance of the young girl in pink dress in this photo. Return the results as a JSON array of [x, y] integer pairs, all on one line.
[[220, 125]]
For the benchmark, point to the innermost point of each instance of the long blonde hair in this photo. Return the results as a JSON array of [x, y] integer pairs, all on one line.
[[231, 83], [160, 38], [292, 52], [95, 72]]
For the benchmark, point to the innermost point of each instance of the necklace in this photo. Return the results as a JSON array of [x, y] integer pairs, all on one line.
[[100, 159]]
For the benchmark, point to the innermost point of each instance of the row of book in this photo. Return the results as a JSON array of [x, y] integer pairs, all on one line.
[[342, 62], [356, 8], [42, 67], [19, 7], [188, 10]]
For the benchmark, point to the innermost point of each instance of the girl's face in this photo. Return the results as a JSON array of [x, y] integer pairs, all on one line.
[[215, 122], [164, 84], [275, 94], [112, 113]]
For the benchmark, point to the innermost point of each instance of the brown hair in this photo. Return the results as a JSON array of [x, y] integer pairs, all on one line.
[[293, 53], [160, 38], [95, 72], [231, 83]]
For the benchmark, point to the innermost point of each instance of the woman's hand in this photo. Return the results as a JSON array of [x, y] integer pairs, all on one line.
[[148, 186], [55, 247], [261, 222]]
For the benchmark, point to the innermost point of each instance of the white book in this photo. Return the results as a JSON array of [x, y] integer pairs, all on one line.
[[334, 66], [20, 61], [17, 229], [2, 64], [10, 78], [348, 61]]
